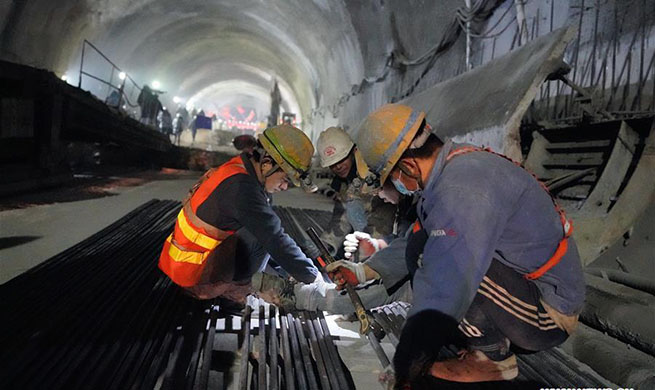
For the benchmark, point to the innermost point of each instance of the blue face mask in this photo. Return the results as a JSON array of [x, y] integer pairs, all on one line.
[[400, 186]]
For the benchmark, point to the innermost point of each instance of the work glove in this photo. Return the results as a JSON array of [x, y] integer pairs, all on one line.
[[343, 271], [420, 342], [387, 377], [366, 244]]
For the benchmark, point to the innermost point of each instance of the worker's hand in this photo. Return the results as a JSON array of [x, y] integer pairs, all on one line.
[[343, 271], [387, 378], [420, 341], [361, 241]]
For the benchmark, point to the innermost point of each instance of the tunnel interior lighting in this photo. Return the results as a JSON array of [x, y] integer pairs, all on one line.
[[156, 84], [176, 99], [122, 75]]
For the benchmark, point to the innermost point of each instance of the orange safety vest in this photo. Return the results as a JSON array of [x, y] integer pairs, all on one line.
[[567, 227], [183, 257]]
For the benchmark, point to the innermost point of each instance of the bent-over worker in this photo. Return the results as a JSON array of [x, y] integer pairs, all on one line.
[[227, 229]]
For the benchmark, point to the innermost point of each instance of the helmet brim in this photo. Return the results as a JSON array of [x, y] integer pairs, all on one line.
[[403, 144]]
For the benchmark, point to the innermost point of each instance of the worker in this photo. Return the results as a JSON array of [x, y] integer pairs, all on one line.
[[227, 229], [357, 209], [499, 268]]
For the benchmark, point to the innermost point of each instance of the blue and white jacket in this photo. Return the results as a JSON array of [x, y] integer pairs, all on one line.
[[480, 206]]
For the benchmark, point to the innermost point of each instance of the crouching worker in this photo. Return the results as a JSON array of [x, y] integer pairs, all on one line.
[[227, 230], [499, 269]]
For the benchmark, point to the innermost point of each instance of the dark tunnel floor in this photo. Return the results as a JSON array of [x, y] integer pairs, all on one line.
[[91, 185]]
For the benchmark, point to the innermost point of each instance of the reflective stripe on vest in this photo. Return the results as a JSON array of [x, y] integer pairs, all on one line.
[[567, 227], [186, 250]]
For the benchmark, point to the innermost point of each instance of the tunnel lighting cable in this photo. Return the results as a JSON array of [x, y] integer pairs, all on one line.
[[396, 60]]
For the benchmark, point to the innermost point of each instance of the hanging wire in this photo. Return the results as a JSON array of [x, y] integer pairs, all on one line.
[[479, 12]]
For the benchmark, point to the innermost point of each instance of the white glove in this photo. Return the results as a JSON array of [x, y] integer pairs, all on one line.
[[387, 377], [367, 245]]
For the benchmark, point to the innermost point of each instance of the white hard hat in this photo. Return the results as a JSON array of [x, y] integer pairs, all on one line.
[[333, 145]]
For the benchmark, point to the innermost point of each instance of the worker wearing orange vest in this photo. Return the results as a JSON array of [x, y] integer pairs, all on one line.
[[227, 230], [499, 270]]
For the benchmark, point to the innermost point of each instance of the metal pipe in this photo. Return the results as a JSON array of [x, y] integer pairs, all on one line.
[[320, 363], [306, 355], [289, 381], [621, 312], [520, 20], [245, 350], [468, 37], [331, 366], [203, 379], [79, 82], [273, 382], [630, 280], [262, 346], [332, 349], [297, 358]]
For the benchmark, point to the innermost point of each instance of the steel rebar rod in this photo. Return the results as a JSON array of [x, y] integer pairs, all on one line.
[[273, 382], [245, 349], [297, 356], [320, 363], [289, 382]]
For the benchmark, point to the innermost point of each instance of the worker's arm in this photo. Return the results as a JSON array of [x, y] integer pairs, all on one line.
[[390, 263], [255, 214]]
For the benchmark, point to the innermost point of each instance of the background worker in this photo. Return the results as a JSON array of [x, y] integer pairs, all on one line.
[[357, 209], [227, 229], [498, 267]]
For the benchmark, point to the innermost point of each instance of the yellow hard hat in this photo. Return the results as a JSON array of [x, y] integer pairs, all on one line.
[[333, 145], [385, 134], [291, 149]]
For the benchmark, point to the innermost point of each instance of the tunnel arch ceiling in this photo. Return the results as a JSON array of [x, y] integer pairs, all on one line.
[[310, 47]]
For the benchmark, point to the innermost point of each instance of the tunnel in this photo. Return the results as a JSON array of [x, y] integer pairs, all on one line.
[[112, 110]]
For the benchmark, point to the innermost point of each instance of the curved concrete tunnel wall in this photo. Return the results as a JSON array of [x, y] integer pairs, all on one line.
[[310, 47], [320, 50]]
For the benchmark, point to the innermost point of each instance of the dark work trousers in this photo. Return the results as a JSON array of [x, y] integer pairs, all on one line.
[[506, 314], [229, 269]]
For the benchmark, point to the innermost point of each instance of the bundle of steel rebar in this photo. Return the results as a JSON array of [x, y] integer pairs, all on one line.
[[289, 351], [101, 315], [295, 221]]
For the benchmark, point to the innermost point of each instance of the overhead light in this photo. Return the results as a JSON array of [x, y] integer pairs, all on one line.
[[64, 77], [156, 84], [122, 75], [176, 99]]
